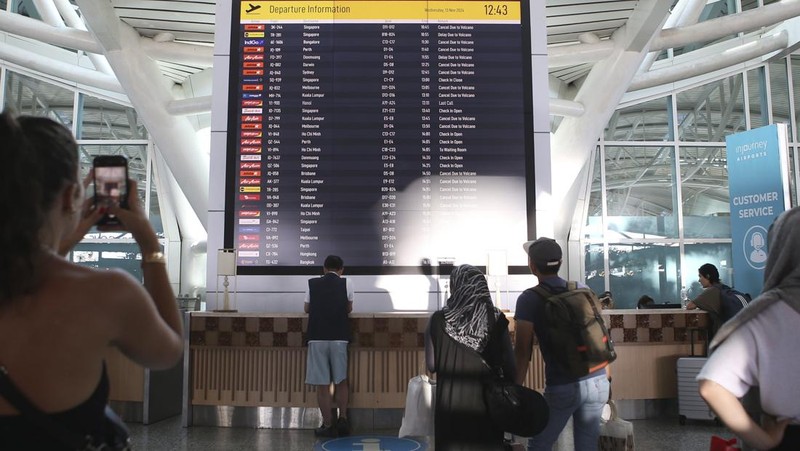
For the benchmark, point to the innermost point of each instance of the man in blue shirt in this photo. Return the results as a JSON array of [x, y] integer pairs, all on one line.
[[582, 399], [328, 302]]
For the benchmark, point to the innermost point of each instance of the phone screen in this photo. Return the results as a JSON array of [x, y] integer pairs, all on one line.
[[110, 188]]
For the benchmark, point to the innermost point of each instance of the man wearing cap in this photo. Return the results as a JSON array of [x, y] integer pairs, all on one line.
[[582, 399]]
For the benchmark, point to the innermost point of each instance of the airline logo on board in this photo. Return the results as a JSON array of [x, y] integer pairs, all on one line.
[[252, 103], [247, 245], [249, 230], [253, 72], [253, 64], [252, 126], [250, 181], [248, 254], [253, 42], [251, 142], [249, 221], [253, 49], [249, 189], [249, 165], [248, 237], [252, 95], [253, 57], [254, 27], [251, 118], [250, 149], [247, 262], [249, 173], [252, 87], [249, 213], [253, 80], [251, 134], [254, 34], [249, 196], [250, 157], [252, 110]]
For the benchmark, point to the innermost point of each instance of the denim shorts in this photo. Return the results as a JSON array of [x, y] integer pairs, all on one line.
[[326, 362]]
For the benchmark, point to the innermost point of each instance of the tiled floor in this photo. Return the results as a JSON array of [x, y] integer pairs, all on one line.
[[650, 435]]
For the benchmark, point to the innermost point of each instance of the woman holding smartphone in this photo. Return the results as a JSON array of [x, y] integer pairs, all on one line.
[[58, 319]]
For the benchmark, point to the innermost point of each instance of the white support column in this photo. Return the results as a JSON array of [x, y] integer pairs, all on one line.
[[149, 92], [40, 31], [605, 85], [71, 19]]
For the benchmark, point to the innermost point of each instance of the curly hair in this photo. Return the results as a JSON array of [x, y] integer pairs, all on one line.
[[40, 157]]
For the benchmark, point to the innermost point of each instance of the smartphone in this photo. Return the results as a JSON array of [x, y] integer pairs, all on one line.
[[110, 185]]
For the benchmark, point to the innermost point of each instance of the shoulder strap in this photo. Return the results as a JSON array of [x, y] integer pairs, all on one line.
[[38, 418]]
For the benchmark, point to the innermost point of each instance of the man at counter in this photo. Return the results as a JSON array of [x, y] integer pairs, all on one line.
[[328, 301], [582, 399], [710, 300]]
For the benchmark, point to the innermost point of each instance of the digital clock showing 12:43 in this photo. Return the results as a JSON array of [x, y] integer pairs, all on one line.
[[495, 10]]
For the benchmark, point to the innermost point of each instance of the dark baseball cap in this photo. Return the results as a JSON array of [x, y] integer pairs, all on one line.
[[543, 252]]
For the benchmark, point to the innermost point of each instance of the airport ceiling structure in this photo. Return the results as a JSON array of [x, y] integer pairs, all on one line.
[[157, 56]]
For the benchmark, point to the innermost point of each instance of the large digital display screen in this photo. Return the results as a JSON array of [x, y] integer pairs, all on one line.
[[396, 134]]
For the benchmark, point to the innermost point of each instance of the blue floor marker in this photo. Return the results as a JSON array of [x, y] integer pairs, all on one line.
[[370, 443]]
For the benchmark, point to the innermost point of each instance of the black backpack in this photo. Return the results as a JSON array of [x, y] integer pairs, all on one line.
[[582, 342], [731, 301]]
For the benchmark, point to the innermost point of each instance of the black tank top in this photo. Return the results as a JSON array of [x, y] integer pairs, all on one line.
[[88, 417]]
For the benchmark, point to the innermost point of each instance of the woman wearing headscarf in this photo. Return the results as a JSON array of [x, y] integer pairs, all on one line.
[[468, 329], [759, 348]]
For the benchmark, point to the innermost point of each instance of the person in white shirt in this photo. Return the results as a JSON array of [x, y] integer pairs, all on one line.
[[759, 348]]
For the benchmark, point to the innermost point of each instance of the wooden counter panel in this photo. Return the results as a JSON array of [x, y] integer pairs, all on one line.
[[126, 377], [275, 377]]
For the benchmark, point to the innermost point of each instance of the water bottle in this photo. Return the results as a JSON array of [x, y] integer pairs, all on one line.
[[684, 297]]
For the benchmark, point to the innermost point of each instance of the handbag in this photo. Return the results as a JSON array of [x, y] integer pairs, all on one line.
[[118, 434], [616, 434], [720, 444], [418, 418], [512, 407]]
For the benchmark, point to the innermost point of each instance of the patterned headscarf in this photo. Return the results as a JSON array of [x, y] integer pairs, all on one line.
[[781, 276], [467, 311]]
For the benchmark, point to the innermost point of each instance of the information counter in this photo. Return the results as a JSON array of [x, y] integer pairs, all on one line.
[[248, 369]]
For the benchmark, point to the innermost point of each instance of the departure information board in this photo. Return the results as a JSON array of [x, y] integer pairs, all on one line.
[[392, 133]]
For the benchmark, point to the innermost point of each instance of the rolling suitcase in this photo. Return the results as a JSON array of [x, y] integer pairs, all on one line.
[[690, 404]]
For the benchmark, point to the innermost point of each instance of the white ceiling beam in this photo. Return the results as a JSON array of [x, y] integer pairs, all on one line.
[[755, 47], [61, 36], [727, 25], [59, 69]]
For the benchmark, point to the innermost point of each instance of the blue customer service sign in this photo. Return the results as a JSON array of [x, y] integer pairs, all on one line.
[[758, 182]]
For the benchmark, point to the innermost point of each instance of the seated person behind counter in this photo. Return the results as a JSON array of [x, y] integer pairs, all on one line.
[[646, 302]]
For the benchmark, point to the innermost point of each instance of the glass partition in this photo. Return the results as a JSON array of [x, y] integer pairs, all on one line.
[[641, 191], [35, 97], [707, 113], [637, 269], [704, 192]]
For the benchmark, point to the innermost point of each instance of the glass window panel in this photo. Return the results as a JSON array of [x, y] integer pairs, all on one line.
[[705, 196], [137, 160], [594, 219], [779, 90], [101, 119], [696, 255], [795, 59], [640, 191], [639, 269], [713, 10], [749, 4], [793, 176], [31, 96], [648, 121], [707, 113], [756, 94], [155, 210], [594, 261], [124, 256]]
